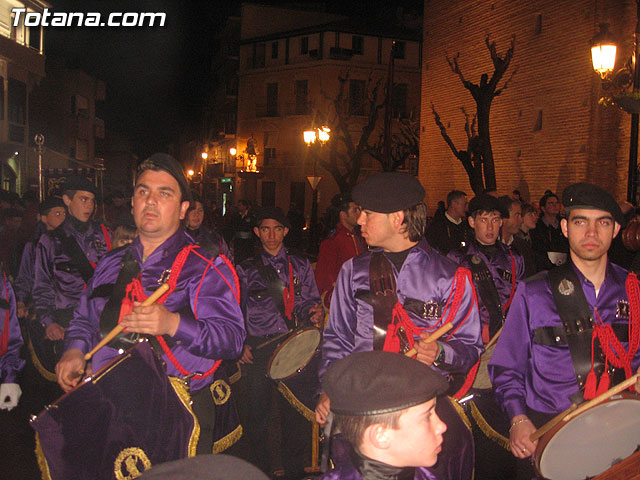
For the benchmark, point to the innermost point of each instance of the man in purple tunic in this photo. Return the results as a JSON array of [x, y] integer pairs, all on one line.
[[65, 260], [279, 293], [197, 323], [392, 297], [384, 406], [10, 344], [540, 367]]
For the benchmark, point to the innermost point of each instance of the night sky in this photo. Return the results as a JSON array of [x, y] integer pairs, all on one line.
[[157, 77]]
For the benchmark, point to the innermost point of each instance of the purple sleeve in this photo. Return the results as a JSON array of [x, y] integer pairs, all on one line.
[[44, 296], [339, 338], [216, 329], [83, 331], [464, 347], [309, 294], [10, 362], [509, 364], [24, 280]]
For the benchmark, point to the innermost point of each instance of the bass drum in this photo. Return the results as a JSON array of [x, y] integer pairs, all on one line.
[[592, 442]]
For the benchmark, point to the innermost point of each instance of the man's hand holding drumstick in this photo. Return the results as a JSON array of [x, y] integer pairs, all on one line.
[[147, 317]]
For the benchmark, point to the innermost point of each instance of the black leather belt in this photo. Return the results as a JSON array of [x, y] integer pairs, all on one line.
[[556, 336]]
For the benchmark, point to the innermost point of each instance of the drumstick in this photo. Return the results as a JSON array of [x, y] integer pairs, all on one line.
[[271, 340], [119, 328], [494, 339], [433, 337], [551, 423], [604, 396]]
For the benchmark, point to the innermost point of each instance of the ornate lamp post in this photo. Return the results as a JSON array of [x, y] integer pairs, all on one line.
[[320, 136], [603, 56]]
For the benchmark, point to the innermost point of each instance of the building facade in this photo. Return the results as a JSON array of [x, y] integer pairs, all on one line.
[[548, 128], [290, 66], [22, 67]]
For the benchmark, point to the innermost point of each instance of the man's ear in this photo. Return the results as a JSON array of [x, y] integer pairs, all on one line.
[[256, 231], [397, 218], [564, 227], [286, 230], [66, 199], [472, 222], [184, 206], [616, 229]]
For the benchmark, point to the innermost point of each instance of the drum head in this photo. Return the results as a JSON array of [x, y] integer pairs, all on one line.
[[294, 354], [482, 379], [593, 441]]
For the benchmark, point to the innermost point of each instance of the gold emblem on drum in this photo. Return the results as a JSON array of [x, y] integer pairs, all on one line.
[[131, 463], [220, 391], [565, 287]]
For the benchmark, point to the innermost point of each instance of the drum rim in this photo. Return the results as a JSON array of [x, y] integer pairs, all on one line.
[[285, 342], [545, 439]]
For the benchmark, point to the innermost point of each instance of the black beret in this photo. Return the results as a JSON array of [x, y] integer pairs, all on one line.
[[591, 197], [377, 382], [162, 161], [388, 192], [76, 182], [48, 204], [486, 203], [274, 213], [210, 467]]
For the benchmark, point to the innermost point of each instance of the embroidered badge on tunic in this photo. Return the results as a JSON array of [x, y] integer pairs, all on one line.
[[622, 309], [220, 391], [131, 463], [475, 259], [431, 311], [566, 287], [164, 277], [99, 245]]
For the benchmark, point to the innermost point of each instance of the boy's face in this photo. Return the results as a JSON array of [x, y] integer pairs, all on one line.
[[418, 439], [486, 226]]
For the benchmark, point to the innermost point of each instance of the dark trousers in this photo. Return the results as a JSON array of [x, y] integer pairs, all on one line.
[[295, 430], [205, 411], [492, 460], [526, 470]]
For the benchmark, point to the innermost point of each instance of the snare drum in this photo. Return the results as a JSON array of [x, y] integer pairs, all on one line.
[[592, 442], [294, 354], [116, 423]]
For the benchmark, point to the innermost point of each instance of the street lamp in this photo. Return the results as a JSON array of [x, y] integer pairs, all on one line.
[[603, 54], [319, 135]]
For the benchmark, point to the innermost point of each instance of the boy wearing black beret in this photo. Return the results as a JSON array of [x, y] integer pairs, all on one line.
[[384, 406]]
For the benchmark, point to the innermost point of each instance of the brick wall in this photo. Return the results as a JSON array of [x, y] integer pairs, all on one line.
[[547, 128]]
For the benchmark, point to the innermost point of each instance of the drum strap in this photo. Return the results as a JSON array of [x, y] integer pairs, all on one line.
[[129, 269], [577, 321], [488, 292], [283, 297], [78, 258], [4, 340], [383, 297]]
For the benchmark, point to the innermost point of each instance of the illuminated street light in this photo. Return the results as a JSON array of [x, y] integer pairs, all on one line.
[[205, 155], [309, 137], [233, 151], [190, 173], [603, 51]]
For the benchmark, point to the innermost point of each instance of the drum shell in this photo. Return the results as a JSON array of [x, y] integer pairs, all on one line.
[[127, 406], [547, 437]]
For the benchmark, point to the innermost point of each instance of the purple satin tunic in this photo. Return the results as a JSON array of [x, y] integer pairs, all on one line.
[[211, 324], [263, 317], [23, 284], [347, 471], [500, 268], [426, 276], [542, 377], [10, 362], [53, 286]]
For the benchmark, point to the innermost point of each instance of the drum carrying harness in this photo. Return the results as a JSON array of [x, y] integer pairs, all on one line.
[[128, 289], [78, 258], [580, 330], [4, 304], [486, 287]]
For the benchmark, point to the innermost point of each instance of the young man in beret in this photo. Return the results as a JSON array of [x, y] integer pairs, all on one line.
[[392, 297], [65, 259], [496, 271], [538, 370], [384, 405], [196, 323], [279, 293]]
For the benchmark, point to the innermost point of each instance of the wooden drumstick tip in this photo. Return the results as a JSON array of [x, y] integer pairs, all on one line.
[[119, 328], [432, 338]]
